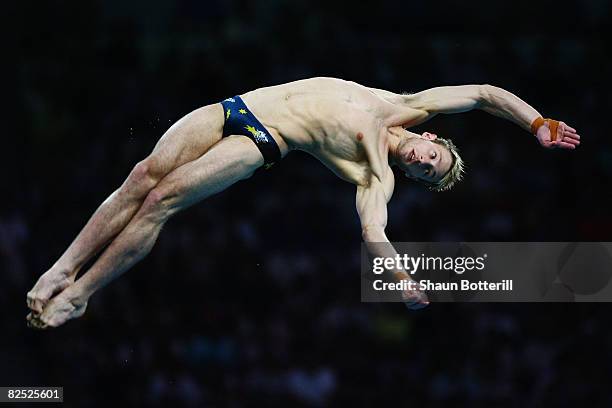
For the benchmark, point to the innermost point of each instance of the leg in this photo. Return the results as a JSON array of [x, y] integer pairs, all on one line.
[[232, 159], [185, 141]]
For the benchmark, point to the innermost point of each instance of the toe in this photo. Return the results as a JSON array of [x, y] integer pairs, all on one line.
[[37, 305], [36, 323], [30, 299], [35, 302], [32, 305], [57, 312]]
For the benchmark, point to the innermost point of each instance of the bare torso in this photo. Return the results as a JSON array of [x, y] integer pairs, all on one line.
[[343, 124]]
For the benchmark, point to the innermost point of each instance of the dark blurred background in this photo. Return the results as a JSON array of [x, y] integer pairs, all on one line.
[[252, 297]]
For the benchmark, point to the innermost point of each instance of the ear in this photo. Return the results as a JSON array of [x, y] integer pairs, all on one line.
[[429, 136]]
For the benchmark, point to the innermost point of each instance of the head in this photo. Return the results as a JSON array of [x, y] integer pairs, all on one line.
[[430, 160]]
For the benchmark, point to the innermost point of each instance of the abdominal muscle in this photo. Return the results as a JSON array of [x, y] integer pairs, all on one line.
[[324, 117]]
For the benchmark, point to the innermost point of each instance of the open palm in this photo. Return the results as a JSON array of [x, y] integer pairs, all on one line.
[[565, 138]]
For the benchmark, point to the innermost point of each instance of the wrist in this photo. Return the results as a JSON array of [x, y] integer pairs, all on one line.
[[552, 124], [536, 123], [401, 275], [373, 233]]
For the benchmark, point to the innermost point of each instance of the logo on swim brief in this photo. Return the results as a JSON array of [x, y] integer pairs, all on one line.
[[257, 134], [230, 100]]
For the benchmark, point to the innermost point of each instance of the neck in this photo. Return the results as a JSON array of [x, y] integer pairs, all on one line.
[[394, 139], [397, 135]]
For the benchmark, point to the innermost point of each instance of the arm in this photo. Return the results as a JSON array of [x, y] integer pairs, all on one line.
[[372, 202], [463, 98], [498, 102]]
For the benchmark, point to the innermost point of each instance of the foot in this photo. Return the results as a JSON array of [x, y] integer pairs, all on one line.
[[65, 306], [51, 282]]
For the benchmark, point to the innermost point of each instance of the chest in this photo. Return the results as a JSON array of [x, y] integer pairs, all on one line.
[[354, 172]]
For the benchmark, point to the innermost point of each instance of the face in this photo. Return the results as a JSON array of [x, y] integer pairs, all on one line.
[[422, 159]]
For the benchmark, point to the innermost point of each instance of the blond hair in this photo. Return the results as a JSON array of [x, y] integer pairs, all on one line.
[[455, 173]]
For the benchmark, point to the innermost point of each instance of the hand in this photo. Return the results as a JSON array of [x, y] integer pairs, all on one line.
[[415, 299], [567, 138]]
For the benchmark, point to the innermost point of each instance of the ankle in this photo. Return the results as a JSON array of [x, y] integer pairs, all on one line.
[[65, 270], [75, 295]]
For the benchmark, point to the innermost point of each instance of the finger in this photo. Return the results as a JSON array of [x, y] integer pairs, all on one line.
[[418, 305], [575, 142], [419, 299], [564, 145], [571, 135], [571, 129]]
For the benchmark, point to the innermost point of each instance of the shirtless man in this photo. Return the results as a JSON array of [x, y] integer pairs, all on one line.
[[357, 132]]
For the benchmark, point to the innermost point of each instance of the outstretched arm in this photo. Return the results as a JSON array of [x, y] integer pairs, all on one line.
[[372, 209], [498, 102]]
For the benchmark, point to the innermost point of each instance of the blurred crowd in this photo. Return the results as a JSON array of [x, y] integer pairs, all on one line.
[[252, 297]]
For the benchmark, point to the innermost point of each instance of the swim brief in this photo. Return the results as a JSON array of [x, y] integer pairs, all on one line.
[[240, 121]]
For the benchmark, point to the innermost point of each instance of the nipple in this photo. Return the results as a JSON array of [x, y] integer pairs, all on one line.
[[360, 136]]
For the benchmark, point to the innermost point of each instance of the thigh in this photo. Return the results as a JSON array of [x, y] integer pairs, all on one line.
[[187, 139], [232, 159]]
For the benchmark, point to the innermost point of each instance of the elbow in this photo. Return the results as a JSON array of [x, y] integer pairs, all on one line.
[[485, 92]]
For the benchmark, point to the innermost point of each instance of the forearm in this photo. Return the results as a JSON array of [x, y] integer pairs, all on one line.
[[378, 246], [506, 105]]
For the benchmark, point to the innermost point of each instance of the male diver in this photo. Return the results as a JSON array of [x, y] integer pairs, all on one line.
[[356, 131]]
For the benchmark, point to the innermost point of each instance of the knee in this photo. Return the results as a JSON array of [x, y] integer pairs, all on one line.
[[158, 203], [247, 170], [252, 162], [143, 177]]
